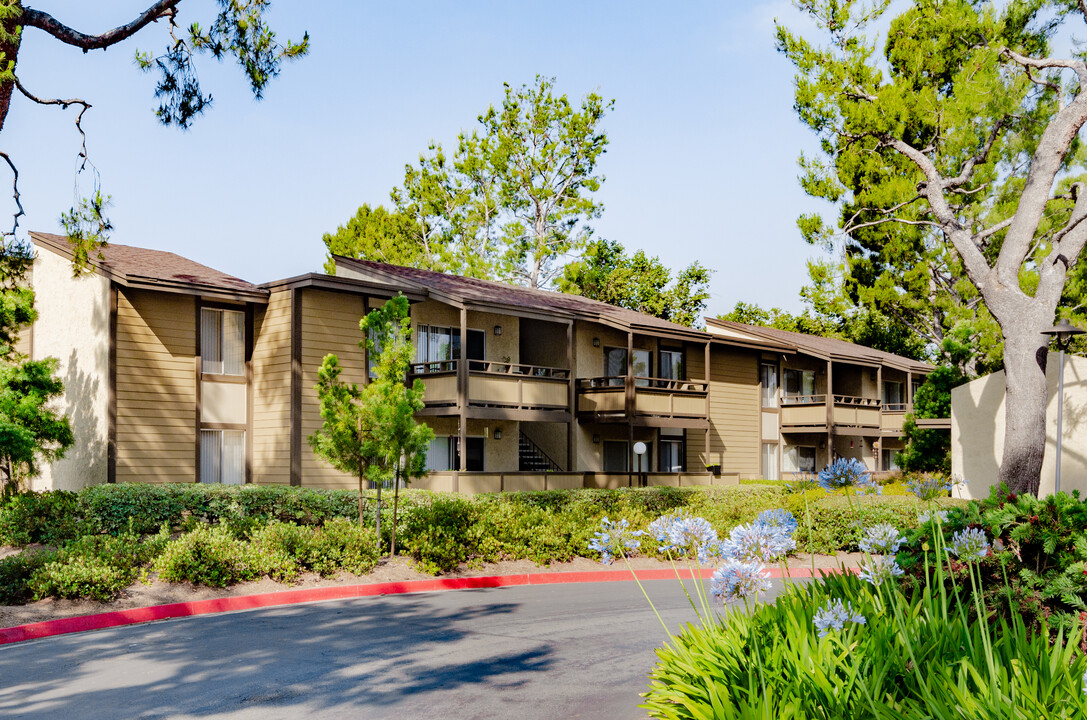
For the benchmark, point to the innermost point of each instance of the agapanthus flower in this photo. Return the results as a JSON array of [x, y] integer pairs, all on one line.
[[1085, 682], [846, 473], [935, 516], [930, 486], [615, 538], [835, 615], [779, 518], [969, 544], [736, 580], [802, 482], [882, 539], [682, 534], [879, 568], [756, 541]]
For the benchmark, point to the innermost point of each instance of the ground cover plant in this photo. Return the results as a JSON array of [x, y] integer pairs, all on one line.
[[220, 535]]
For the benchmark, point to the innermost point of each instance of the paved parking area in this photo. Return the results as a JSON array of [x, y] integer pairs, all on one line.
[[561, 651]]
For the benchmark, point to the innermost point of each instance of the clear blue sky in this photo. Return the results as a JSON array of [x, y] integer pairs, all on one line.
[[701, 165]]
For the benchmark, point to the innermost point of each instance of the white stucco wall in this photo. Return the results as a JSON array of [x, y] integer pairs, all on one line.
[[977, 430], [73, 326]]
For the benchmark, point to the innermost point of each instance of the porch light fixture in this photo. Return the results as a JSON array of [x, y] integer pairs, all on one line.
[[497, 434], [596, 342], [1062, 332], [596, 438], [497, 329]]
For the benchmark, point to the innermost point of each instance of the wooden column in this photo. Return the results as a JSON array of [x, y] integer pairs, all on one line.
[[707, 375], [830, 412], [879, 396], [571, 429], [909, 391], [629, 406], [365, 345], [462, 397]]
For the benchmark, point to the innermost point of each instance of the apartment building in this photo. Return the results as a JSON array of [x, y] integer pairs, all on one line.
[[176, 372]]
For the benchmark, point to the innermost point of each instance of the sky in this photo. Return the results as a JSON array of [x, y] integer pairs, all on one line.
[[701, 163]]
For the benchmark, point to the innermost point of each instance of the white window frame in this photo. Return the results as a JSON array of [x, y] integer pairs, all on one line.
[[216, 347], [212, 467]]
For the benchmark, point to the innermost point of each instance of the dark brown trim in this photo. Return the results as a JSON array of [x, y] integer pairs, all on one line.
[[366, 343], [296, 386], [224, 426], [462, 397], [227, 379], [250, 342], [571, 432], [198, 362], [111, 403], [335, 283]]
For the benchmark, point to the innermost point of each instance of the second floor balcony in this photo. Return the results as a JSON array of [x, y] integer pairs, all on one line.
[[491, 384], [643, 400], [805, 413]]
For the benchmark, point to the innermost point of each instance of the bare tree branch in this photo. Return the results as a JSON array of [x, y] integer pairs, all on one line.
[[64, 104], [968, 167], [1028, 62], [988, 232], [14, 193], [45, 21]]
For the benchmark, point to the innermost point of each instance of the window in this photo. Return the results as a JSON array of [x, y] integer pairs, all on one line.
[[768, 376], [889, 462], [671, 367], [222, 341], [442, 454], [435, 344], [615, 365], [222, 456], [800, 384], [894, 396], [769, 461], [799, 459], [616, 456], [672, 457]]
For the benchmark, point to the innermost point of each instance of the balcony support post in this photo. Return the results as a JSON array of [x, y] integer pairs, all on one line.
[[628, 404], [879, 394], [366, 345], [909, 391], [708, 420], [830, 412], [462, 398], [571, 427]]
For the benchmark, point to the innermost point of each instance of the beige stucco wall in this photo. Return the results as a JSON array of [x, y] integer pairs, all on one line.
[[977, 429], [73, 326], [498, 455], [496, 347]]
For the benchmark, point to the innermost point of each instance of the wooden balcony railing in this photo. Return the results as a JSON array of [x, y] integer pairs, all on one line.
[[659, 397], [810, 411], [495, 384]]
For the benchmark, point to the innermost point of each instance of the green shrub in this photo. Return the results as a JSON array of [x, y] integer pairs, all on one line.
[[80, 576], [208, 556], [343, 545], [914, 659], [142, 507], [16, 572], [46, 517], [442, 534]]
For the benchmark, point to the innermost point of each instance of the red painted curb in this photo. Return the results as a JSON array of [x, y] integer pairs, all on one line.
[[117, 618]]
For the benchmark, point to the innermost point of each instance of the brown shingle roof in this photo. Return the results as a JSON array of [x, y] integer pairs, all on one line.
[[141, 266], [823, 346], [487, 292]]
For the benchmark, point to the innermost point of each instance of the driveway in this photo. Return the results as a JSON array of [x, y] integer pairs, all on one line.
[[560, 651]]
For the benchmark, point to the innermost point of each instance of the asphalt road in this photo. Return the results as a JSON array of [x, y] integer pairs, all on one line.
[[561, 651]]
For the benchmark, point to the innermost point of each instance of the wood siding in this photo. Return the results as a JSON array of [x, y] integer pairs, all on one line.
[[156, 387], [330, 324], [271, 391], [734, 413]]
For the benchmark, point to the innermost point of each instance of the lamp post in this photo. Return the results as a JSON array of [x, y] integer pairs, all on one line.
[[639, 453], [1062, 332]]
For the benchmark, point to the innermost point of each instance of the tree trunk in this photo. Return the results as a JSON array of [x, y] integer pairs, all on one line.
[[1025, 353], [10, 49], [396, 503], [362, 515], [377, 516]]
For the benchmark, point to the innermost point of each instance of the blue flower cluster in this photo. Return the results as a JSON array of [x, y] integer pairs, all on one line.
[[781, 519], [802, 482], [846, 473], [737, 580], [682, 534], [759, 541], [615, 538], [835, 615], [936, 516], [882, 539], [969, 544], [879, 568], [930, 486]]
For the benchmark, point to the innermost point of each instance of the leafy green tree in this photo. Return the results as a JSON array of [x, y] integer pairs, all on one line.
[[930, 450], [961, 135], [513, 200], [31, 431], [238, 30], [401, 442], [639, 282]]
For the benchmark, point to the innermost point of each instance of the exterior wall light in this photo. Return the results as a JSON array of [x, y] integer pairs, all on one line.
[[596, 438], [596, 342], [497, 434], [497, 329]]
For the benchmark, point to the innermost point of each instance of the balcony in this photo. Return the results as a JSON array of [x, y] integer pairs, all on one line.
[[652, 402], [894, 415], [498, 386], [808, 413]]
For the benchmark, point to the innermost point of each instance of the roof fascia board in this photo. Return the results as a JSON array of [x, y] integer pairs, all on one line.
[[519, 311], [332, 282], [137, 283], [392, 279]]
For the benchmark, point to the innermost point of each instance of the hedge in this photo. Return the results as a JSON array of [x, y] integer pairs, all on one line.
[[102, 538]]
